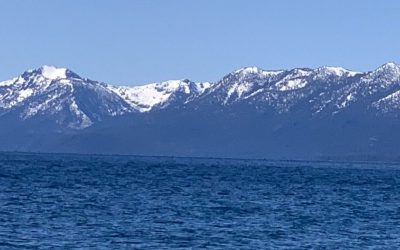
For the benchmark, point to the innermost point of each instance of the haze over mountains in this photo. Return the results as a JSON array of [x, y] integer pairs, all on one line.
[[302, 113]]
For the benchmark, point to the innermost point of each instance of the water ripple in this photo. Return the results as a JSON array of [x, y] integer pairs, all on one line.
[[67, 201]]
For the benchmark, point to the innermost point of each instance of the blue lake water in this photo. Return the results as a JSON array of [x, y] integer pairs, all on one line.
[[95, 202]]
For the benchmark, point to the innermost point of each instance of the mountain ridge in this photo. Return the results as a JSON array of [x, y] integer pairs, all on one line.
[[250, 112], [143, 98]]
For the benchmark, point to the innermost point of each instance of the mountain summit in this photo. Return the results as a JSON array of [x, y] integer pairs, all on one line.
[[267, 112]]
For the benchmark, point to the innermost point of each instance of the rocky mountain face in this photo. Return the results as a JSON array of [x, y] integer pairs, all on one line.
[[299, 113]]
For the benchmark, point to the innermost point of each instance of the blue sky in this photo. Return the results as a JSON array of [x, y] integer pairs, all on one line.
[[134, 42]]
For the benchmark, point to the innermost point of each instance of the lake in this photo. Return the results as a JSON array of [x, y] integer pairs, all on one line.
[[120, 202]]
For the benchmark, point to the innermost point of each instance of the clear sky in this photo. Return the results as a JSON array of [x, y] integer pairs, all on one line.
[[134, 42]]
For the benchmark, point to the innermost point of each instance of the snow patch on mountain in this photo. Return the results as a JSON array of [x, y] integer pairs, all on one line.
[[294, 80], [258, 71], [202, 87], [335, 71], [144, 98], [8, 82], [51, 72], [23, 94], [389, 103], [239, 89], [291, 84], [37, 107], [83, 120], [349, 98]]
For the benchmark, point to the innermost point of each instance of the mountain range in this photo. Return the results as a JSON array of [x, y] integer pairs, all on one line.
[[302, 113]]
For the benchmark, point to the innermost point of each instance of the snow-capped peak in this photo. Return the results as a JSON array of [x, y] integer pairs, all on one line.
[[258, 71], [53, 73], [390, 67], [338, 71], [388, 72], [46, 73], [144, 98]]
